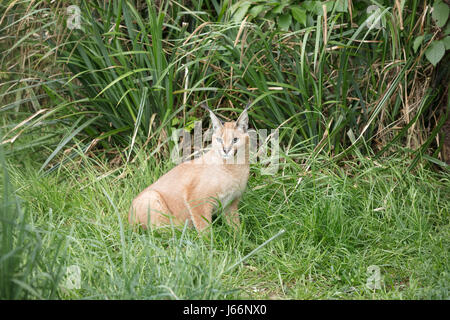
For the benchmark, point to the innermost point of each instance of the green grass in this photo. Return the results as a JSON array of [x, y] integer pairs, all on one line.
[[139, 70], [338, 221]]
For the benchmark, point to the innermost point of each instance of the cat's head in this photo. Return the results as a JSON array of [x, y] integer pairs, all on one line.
[[229, 139]]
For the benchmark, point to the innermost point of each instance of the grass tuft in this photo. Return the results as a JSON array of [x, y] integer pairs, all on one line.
[[337, 222]]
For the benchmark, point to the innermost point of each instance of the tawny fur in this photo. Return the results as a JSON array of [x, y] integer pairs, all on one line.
[[191, 191]]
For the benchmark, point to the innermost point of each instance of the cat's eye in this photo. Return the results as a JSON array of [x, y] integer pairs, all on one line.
[[219, 140], [235, 140]]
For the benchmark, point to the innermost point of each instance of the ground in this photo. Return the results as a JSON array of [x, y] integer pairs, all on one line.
[[339, 220]]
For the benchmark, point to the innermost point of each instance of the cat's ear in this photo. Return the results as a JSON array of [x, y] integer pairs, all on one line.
[[242, 121], [216, 123]]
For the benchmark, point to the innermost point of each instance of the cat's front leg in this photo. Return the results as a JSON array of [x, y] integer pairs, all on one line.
[[201, 213], [232, 214]]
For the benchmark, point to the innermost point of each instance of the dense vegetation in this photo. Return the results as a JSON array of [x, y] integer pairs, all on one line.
[[357, 89]]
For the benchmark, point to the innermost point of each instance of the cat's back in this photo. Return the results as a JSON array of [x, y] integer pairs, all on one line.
[[202, 177]]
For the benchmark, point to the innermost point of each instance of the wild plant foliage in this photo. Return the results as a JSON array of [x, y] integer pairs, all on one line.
[[339, 76]]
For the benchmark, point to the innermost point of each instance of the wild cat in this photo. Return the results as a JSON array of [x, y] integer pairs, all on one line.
[[191, 190]]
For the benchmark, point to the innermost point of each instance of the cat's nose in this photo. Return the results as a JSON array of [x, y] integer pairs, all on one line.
[[226, 150]]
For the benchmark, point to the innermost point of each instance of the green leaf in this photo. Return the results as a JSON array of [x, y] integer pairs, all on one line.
[[312, 6], [279, 9], [440, 13], [417, 43], [447, 30], [241, 12], [329, 5], [341, 5], [435, 52], [284, 21], [299, 14], [68, 138], [175, 121], [113, 132], [256, 10], [129, 73], [446, 41], [309, 6]]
